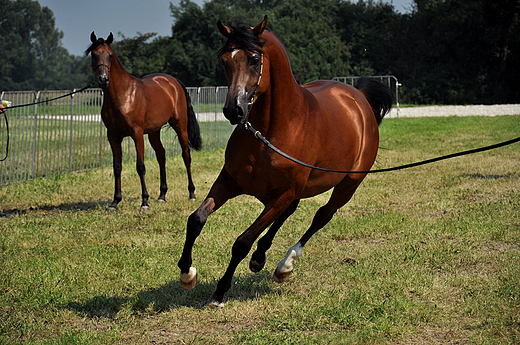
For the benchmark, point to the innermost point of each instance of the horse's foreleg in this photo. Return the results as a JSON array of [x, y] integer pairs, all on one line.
[[244, 242], [257, 262], [141, 170], [340, 196], [160, 153], [115, 145], [222, 190]]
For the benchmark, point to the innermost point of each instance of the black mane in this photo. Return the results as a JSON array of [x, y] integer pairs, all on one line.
[[242, 37], [100, 41]]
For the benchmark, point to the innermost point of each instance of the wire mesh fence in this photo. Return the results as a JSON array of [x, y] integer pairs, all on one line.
[[67, 134]]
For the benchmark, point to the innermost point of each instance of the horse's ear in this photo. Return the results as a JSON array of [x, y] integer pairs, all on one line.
[[224, 30], [93, 37], [260, 27], [110, 39]]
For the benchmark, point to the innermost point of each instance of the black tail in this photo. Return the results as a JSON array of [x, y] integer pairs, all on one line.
[[194, 137], [378, 95]]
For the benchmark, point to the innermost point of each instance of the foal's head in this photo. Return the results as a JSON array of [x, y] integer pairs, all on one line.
[[242, 59], [101, 58]]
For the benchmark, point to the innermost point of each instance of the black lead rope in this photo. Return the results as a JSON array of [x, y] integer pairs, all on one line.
[[401, 167], [29, 104], [51, 99]]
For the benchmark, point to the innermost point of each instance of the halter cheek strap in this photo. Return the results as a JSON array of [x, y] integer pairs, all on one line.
[[252, 100]]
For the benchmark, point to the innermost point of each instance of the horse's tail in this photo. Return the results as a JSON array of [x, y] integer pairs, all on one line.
[[378, 95], [194, 137]]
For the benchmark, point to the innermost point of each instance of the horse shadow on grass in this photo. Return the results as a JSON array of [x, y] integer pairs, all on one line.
[[245, 287], [73, 206]]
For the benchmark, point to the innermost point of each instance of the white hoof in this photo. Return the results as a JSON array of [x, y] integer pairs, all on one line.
[[189, 280]]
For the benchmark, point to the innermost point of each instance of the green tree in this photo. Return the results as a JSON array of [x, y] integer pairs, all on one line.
[[31, 54]]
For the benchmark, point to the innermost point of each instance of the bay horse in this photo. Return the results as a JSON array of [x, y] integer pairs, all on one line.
[[137, 106], [324, 123]]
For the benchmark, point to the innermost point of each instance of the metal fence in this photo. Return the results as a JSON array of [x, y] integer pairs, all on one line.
[[390, 80], [67, 135]]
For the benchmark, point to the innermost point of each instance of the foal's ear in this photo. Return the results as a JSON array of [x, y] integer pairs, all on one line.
[[110, 39], [93, 37], [260, 27], [224, 30]]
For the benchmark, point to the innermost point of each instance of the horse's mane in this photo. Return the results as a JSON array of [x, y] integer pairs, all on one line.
[[242, 37], [100, 41]]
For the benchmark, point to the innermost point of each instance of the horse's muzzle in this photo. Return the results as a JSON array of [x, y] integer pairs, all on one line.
[[103, 80], [236, 112]]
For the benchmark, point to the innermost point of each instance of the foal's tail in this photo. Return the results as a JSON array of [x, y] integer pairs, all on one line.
[[194, 137], [378, 95]]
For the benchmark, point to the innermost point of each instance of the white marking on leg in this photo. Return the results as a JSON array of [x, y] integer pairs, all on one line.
[[286, 265], [188, 277]]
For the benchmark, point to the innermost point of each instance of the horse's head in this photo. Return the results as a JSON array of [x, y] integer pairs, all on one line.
[[242, 59], [101, 58]]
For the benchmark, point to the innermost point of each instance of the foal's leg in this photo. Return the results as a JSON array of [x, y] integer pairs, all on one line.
[[160, 153], [340, 196], [182, 133], [272, 211], [257, 262], [141, 170], [115, 145]]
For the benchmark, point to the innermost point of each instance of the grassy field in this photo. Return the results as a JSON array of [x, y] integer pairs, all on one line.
[[428, 255]]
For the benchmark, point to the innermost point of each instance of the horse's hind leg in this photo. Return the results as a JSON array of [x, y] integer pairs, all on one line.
[[183, 140], [340, 196], [160, 153], [257, 262]]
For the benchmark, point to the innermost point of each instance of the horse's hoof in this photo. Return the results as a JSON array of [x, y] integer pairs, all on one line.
[[213, 303], [145, 207], [111, 208], [161, 200], [255, 266], [189, 280], [193, 199], [281, 277]]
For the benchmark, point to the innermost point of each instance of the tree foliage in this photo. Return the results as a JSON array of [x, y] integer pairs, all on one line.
[[442, 51], [31, 54]]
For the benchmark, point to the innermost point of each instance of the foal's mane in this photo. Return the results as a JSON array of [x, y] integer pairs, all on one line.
[[100, 41], [242, 37]]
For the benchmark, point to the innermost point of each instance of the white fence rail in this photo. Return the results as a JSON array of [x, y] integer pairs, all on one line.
[[67, 135]]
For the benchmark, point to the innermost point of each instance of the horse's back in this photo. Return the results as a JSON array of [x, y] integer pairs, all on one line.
[[340, 102], [166, 101]]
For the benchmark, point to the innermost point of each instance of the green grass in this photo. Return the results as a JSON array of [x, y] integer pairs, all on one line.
[[427, 255]]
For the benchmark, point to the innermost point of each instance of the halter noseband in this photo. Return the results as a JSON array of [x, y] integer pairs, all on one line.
[[100, 65]]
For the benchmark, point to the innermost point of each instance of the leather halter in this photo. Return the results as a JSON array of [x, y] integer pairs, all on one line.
[[252, 100], [100, 65]]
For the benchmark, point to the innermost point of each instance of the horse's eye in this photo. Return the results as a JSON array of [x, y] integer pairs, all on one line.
[[254, 59], [110, 55], [222, 61]]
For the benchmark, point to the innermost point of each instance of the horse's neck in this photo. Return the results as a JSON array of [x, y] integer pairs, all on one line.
[[284, 94], [120, 81]]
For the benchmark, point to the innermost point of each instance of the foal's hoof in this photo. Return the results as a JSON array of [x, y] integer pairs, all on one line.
[[161, 199], [189, 280], [112, 208], [213, 303], [256, 266], [281, 277], [145, 207]]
